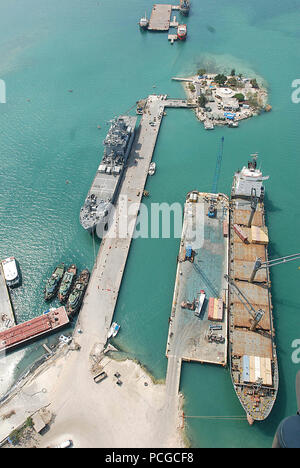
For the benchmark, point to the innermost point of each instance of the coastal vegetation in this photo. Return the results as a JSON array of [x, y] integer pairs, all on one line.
[[240, 97], [223, 99], [16, 435]]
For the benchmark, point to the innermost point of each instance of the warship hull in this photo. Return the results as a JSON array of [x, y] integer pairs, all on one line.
[[95, 213]]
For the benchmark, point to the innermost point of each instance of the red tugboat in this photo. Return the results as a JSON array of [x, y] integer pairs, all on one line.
[[182, 32]]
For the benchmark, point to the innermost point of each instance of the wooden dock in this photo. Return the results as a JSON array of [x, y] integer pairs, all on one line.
[[7, 318]]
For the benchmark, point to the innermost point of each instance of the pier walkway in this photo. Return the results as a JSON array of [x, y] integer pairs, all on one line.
[[179, 104], [7, 318]]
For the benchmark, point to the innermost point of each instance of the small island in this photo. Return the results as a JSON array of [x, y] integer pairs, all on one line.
[[225, 99]]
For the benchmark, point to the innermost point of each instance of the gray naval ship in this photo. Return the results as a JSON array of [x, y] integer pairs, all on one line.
[[94, 214]]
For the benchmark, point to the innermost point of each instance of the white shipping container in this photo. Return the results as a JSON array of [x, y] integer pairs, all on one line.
[[257, 368]]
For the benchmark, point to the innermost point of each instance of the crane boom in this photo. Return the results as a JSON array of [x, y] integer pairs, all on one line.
[[277, 261], [256, 315]]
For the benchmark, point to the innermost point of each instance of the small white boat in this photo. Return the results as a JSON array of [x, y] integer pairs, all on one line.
[[200, 303], [11, 272], [208, 125], [233, 124], [114, 330], [144, 22], [152, 169]]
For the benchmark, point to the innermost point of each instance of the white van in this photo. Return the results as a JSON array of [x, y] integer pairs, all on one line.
[[65, 444]]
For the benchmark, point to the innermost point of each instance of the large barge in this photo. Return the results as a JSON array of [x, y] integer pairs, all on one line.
[[199, 321], [252, 349], [34, 328], [94, 214]]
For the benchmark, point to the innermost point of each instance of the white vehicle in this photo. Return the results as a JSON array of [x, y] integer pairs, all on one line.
[[200, 303], [65, 444], [152, 169], [11, 272]]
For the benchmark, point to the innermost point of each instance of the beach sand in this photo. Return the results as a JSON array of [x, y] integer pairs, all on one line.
[[96, 415]]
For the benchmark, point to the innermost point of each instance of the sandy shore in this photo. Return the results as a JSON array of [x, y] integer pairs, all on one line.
[[8, 364], [95, 415]]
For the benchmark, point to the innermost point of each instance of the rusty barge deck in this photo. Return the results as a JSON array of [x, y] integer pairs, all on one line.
[[37, 327], [256, 391]]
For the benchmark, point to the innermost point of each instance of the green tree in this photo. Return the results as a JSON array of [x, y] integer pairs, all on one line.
[[232, 82], [220, 79], [202, 100], [254, 83], [240, 97], [232, 72], [201, 71]]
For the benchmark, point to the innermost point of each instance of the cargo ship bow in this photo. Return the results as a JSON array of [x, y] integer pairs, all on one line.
[[252, 349]]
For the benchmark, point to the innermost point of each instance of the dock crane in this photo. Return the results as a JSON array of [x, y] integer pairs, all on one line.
[[212, 211], [277, 261], [256, 315]]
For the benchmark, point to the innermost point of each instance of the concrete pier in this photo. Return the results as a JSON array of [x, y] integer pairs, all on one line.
[[179, 103], [160, 18], [7, 318]]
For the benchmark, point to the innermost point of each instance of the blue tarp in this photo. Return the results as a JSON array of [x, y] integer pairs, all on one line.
[[246, 369], [229, 115], [189, 251]]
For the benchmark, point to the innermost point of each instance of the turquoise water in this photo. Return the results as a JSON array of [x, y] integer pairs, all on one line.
[[49, 136]]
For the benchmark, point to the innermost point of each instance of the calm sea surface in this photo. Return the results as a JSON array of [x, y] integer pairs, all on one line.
[[50, 147]]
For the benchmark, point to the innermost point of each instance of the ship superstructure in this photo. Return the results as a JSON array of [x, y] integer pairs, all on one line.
[[252, 350], [94, 214]]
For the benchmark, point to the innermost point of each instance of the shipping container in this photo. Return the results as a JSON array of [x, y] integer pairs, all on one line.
[[259, 235], [220, 310], [211, 308], [246, 369], [257, 368], [238, 230], [225, 228], [252, 369]]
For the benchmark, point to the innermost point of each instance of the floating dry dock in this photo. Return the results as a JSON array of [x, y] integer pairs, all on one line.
[[7, 318], [202, 263]]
